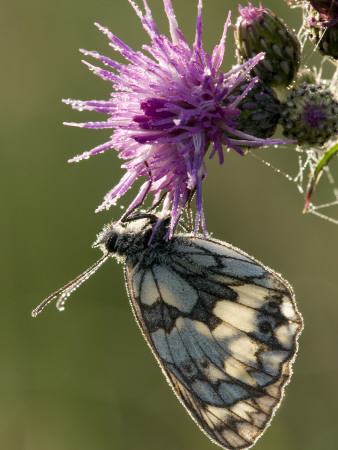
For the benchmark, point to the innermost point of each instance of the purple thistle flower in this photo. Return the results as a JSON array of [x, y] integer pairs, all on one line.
[[166, 110]]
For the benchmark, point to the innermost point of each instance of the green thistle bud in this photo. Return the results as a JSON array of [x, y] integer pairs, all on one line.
[[260, 110], [310, 115], [259, 30], [322, 33]]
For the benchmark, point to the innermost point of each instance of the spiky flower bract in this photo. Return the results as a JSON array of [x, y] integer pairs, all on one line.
[[167, 109]]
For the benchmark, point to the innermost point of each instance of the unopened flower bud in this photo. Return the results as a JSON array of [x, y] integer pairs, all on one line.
[[259, 30], [260, 110], [310, 115], [329, 8], [323, 31]]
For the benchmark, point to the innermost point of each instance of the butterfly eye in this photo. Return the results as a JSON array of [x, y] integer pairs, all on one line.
[[110, 241]]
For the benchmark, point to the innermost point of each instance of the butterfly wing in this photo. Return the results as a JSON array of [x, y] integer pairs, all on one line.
[[224, 330]]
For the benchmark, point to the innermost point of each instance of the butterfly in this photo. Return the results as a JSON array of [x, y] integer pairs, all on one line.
[[222, 326]]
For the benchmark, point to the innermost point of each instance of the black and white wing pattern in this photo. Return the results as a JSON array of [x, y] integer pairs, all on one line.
[[224, 330]]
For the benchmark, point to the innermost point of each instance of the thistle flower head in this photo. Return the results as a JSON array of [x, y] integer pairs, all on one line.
[[259, 110], [260, 30], [321, 20], [328, 9], [310, 115], [169, 105]]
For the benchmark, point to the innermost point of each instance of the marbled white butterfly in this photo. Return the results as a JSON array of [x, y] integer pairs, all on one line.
[[222, 326]]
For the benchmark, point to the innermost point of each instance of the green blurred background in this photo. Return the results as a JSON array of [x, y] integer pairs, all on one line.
[[85, 379]]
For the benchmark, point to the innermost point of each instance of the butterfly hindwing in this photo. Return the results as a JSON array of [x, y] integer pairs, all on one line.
[[224, 330]]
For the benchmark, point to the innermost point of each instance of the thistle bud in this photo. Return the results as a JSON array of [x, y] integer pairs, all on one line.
[[310, 115], [323, 31], [328, 8], [259, 110], [259, 30]]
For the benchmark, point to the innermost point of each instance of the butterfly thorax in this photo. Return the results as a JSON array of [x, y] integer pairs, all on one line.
[[134, 240]]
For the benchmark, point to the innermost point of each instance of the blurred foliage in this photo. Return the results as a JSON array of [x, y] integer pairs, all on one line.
[[85, 379]]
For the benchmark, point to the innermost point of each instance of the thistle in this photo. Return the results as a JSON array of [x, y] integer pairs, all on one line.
[[310, 115], [259, 110], [321, 21], [169, 109], [328, 9], [260, 30]]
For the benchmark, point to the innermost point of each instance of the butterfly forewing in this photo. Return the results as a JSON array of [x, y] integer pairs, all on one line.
[[223, 328]]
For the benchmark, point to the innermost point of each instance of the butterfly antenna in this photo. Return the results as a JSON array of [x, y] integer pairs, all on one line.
[[70, 287]]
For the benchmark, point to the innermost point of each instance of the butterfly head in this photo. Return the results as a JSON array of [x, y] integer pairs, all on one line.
[[124, 238], [107, 240]]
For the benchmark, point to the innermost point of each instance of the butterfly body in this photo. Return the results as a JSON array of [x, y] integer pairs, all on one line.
[[222, 326]]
